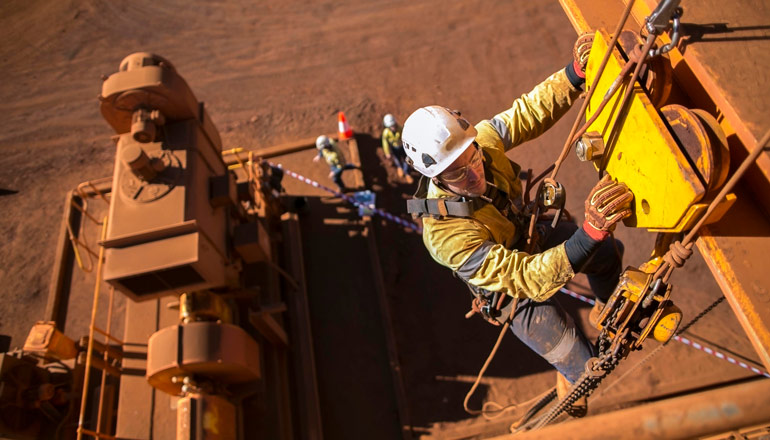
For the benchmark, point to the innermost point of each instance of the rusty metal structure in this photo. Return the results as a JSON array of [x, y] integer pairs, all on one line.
[[176, 228], [191, 243]]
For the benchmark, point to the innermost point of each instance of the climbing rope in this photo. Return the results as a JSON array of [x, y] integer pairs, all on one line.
[[574, 131], [581, 114], [484, 367]]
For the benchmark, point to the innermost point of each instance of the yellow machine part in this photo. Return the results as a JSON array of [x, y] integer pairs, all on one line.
[[48, 341], [641, 151], [203, 416], [666, 325], [203, 305]]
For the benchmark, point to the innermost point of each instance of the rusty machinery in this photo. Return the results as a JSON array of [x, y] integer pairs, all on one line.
[[180, 225], [182, 228], [177, 226], [676, 162], [38, 385]]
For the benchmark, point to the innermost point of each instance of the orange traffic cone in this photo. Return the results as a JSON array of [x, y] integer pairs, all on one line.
[[345, 131]]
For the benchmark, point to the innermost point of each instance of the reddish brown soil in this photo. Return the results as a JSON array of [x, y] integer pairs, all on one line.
[[275, 72]]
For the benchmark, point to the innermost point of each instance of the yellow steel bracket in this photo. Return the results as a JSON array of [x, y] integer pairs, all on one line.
[[640, 150]]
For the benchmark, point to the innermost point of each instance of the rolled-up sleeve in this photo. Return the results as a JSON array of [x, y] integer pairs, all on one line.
[[535, 112]]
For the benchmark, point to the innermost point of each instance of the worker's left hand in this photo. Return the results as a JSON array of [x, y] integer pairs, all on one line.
[[316, 158], [580, 52], [608, 203]]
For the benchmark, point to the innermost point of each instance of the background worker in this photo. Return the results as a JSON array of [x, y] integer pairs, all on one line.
[[393, 148], [470, 201], [330, 152]]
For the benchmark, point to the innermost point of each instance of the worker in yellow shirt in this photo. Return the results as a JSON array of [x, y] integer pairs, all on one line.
[[470, 201], [331, 153], [393, 148]]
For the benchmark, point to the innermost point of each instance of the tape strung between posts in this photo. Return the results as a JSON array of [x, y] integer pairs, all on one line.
[[682, 339], [380, 212]]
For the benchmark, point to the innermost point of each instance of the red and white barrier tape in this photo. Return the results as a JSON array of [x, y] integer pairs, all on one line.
[[720, 355]]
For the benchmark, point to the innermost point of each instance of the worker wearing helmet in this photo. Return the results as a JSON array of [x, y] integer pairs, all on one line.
[[392, 146], [469, 200], [330, 152]]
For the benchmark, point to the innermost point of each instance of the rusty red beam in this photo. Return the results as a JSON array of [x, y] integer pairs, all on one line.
[[694, 415]]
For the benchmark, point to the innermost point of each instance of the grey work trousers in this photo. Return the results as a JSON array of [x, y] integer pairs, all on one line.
[[547, 328]]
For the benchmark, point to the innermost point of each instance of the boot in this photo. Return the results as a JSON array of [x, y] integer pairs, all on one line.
[[578, 408], [593, 316]]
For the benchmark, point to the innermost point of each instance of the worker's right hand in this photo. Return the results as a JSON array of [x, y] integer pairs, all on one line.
[[316, 158], [608, 203], [580, 52]]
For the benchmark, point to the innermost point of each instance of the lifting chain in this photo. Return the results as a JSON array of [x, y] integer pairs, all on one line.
[[611, 352], [596, 369], [611, 349]]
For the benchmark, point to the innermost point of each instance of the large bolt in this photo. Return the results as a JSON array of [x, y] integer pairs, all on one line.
[[142, 126], [141, 165], [590, 146]]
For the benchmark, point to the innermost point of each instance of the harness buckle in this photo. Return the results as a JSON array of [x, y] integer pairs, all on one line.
[[487, 308], [442, 211]]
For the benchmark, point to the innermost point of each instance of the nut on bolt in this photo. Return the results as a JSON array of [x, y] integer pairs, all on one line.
[[590, 146]]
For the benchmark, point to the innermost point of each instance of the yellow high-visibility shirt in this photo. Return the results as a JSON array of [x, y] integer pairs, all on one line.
[[333, 156], [479, 248], [390, 139]]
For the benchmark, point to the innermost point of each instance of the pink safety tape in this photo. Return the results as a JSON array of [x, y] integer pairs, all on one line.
[[682, 339]]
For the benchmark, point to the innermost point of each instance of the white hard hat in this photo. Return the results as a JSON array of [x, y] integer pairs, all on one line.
[[322, 141], [434, 137], [389, 120]]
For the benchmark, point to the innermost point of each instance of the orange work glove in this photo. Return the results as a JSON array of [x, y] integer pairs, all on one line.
[[580, 52], [608, 203]]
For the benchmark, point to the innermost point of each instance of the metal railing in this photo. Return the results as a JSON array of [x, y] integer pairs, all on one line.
[[100, 355]]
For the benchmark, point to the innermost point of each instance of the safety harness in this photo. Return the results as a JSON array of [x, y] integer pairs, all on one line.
[[490, 305]]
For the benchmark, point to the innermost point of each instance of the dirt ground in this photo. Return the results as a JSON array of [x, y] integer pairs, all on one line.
[[276, 72]]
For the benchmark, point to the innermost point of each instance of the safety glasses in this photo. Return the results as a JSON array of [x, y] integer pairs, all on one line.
[[460, 174]]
